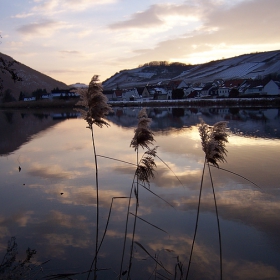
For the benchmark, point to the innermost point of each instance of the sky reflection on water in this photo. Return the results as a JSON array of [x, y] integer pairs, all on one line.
[[50, 204]]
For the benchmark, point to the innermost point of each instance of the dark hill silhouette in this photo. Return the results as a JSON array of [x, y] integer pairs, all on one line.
[[31, 80]]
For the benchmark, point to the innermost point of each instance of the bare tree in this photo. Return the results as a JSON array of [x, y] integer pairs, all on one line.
[[6, 67]]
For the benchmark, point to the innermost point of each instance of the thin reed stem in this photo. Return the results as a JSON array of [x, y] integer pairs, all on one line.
[[156, 195], [237, 175], [170, 170], [135, 216], [197, 216], [97, 207], [126, 226], [148, 223], [218, 223], [117, 160], [106, 228]]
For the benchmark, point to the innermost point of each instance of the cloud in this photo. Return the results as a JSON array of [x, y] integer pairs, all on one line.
[[221, 27], [167, 179], [166, 14], [69, 52], [57, 243], [67, 221], [46, 6], [50, 172], [44, 27], [21, 218], [205, 260], [23, 15], [144, 19], [238, 205], [86, 195]]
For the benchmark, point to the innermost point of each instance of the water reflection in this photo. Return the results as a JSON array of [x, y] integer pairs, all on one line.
[[18, 127], [50, 204], [257, 122]]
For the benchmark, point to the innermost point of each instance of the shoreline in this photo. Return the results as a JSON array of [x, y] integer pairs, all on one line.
[[201, 102]]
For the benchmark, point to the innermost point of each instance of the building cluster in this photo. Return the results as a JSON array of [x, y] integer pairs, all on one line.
[[182, 90], [55, 94]]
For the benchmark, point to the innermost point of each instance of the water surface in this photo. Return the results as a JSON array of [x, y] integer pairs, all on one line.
[[49, 204]]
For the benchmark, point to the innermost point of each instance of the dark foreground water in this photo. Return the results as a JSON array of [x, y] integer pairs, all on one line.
[[48, 197]]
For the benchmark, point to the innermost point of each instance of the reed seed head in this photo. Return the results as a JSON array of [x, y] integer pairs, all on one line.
[[143, 136], [213, 140], [146, 166], [94, 103]]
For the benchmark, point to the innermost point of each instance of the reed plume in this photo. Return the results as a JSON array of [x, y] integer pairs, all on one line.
[[213, 140], [93, 107], [145, 168], [93, 104], [143, 136]]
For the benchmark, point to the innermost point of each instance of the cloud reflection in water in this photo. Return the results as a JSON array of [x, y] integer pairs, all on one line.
[[62, 225]]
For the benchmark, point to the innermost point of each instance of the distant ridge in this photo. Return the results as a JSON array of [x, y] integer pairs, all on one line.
[[31, 80], [244, 66], [79, 85]]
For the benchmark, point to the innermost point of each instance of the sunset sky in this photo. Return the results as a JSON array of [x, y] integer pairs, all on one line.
[[71, 40]]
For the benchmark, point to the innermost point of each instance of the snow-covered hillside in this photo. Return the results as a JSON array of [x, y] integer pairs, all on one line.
[[243, 66]]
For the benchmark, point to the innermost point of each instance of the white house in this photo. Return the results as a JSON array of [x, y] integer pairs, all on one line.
[[183, 84], [29, 98], [223, 91], [45, 96], [272, 88], [130, 94]]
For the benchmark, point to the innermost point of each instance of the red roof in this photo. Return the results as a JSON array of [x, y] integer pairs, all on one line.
[[233, 83], [118, 93], [174, 84]]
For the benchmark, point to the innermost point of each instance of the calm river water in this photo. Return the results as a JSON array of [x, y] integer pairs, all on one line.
[[48, 197]]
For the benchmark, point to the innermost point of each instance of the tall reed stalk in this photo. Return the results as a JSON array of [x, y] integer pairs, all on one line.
[[143, 137], [93, 107], [197, 218], [218, 223], [213, 139], [136, 192]]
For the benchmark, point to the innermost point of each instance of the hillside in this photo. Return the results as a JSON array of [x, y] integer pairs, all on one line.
[[243, 66], [31, 80]]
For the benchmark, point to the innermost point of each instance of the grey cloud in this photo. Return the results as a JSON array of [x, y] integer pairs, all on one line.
[[147, 18], [37, 27], [239, 205], [152, 16], [48, 173], [69, 52], [247, 20], [166, 179], [57, 218]]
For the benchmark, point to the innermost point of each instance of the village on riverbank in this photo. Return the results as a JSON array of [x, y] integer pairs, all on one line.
[[248, 80], [217, 93]]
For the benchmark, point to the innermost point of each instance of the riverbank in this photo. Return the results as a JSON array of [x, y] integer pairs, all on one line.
[[201, 102], [221, 102], [56, 103]]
